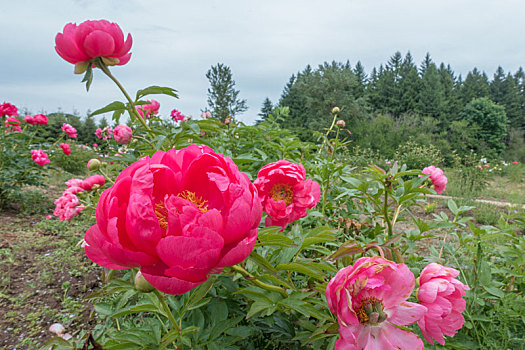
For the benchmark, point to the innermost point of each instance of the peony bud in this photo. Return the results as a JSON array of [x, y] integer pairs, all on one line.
[[341, 123], [141, 284], [335, 110], [93, 164]]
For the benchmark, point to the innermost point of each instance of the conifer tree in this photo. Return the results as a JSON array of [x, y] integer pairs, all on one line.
[[223, 99]]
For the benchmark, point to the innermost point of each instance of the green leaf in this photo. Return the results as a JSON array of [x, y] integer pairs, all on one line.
[[113, 106], [453, 207], [220, 327], [135, 309], [88, 77], [262, 262], [297, 267], [200, 292], [274, 239], [156, 90], [494, 291]]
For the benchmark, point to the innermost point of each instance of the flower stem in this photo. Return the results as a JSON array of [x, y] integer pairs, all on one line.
[[166, 309], [385, 213], [258, 283]]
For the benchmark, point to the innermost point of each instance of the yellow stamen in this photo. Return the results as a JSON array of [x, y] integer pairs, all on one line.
[[282, 192], [192, 197]]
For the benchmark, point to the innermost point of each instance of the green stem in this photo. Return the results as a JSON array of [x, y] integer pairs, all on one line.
[[258, 283], [106, 71], [385, 213], [328, 133], [166, 309]]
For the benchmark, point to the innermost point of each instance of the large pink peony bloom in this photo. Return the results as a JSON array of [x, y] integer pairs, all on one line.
[[7, 109], [40, 119], [93, 182], [12, 124], [69, 130], [442, 294], [284, 193], [438, 178], [179, 215], [369, 300], [29, 119], [81, 44], [65, 148], [148, 110], [39, 157], [122, 134]]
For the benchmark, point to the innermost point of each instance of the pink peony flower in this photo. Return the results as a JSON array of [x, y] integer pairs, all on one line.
[[69, 130], [30, 119], [95, 145], [180, 215], [65, 148], [68, 206], [369, 300], [148, 110], [40, 119], [81, 44], [284, 193], [104, 134], [7, 109], [442, 294], [122, 134], [39, 157], [12, 124], [93, 182], [177, 116], [437, 177], [73, 182], [514, 163]]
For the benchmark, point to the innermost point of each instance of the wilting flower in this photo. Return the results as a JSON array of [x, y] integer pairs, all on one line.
[[180, 215], [81, 44], [12, 124], [148, 110], [40, 119], [122, 134], [7, 109], [104, 134], [69, 130], [369, 300], [437, 177], [93, 182], [442, 294], [284, 192], [177, 115], [206, 115], [65, 148], [39, 157]]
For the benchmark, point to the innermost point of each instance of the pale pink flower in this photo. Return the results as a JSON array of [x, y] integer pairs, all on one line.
[[68, 206], [104, 134], [39, 157], [122, 134], [74, 182], [442, 294], [69, 130], [206, 115], [369, 300], [437, 177]]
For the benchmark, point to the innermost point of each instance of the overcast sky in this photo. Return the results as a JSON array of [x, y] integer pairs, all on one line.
[[263, 42]]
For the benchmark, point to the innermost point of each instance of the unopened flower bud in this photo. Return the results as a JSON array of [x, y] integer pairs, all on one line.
[[93, 164], [141, 284], [341, 123], [335, 110]]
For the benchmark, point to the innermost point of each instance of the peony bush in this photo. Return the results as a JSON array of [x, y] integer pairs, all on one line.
[[177, 205]]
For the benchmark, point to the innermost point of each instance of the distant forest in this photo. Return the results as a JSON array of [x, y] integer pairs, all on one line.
[[400, 102]]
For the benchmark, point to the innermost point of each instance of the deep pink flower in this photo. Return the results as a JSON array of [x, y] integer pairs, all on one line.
[[514, 163], [369, 300], [7, 109], [12, 124], [177, 116], [81, 44], [40, 119], [69, 130], [30, 119], [179, 215], [437, 177], [39, 157], [122, 134], [65, 148], [442, 294], [284, 193], [148, 110], [95, 145], [93, 182]]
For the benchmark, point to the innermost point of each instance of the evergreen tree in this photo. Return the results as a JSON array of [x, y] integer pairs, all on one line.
[[223, 99], [476, 85], [361, 77], [451, 104], [431, 96], [86, 134], [504, 90], [266, 110], [410, 84]]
